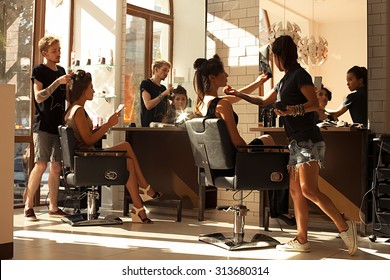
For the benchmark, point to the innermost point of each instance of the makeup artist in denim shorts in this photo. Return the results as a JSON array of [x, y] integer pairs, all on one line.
[[296, 102]]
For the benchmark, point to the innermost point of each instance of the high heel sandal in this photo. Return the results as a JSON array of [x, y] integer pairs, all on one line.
[[144, 195], [136, 218]]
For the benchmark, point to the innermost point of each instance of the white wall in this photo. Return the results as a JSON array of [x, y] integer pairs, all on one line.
[[189, 40], [343, 54]]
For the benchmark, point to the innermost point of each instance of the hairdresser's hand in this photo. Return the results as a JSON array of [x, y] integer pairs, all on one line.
[[228, 90], [288, 111], [261, 79], [63, 80], [168, 91]]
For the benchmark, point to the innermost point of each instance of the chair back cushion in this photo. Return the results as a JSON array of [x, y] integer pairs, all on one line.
[[68, 145], [211, 134]]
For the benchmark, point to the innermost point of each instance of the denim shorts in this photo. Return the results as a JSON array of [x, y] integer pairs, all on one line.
[[306, 151]]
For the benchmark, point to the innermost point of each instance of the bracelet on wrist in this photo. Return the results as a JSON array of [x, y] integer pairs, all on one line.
[[298, 110], [161, 97]]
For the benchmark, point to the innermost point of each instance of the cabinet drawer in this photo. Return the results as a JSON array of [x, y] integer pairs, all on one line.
[[383, 188], [384, 203]]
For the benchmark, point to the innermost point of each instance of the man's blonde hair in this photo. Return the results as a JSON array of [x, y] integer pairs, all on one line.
[[46, 42], [157, 64]]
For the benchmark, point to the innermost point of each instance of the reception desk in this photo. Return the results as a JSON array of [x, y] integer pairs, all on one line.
[[345, 176], [166, 159]]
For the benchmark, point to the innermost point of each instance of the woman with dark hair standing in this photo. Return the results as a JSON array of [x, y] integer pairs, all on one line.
[[356, 101], [80, 90], [296, 103], [210, 75]]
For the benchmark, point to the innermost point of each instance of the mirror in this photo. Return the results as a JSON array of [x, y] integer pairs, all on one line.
[[327, 20]]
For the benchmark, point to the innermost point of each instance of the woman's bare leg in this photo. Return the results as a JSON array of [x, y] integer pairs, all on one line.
[[141, 180], [308, 179], [132, 187], [301, 211]]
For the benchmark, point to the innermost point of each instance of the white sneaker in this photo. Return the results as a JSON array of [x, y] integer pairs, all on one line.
[[294, 246], [350, 237]]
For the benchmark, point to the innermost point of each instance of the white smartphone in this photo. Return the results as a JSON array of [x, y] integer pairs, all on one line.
[[120, 108], [318, 82]]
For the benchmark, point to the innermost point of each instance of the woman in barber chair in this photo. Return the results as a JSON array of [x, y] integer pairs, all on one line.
[[297, 105], [324, 95], [80, 90], [210, 75]]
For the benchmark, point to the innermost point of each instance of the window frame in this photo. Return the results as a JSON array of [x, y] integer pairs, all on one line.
[[151, 17]]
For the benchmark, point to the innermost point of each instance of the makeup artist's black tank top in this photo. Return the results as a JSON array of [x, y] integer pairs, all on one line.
[[211, 110]]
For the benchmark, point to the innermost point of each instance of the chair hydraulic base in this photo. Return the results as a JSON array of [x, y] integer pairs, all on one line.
[[258, 241], [91, 218], [237, 242], [82, 220]]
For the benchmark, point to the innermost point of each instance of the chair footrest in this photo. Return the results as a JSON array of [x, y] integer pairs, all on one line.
[[172, 203]]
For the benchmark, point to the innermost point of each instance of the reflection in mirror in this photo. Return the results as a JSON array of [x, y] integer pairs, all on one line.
[[328, 20]]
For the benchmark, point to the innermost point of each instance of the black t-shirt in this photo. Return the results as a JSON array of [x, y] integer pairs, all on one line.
[[356, 103], [299, 128], [49, 114], [157, 113]]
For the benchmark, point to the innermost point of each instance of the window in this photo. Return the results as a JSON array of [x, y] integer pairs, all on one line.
[[149, 35], [160, 6], [16, 41]]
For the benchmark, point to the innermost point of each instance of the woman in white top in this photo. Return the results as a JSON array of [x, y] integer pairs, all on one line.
[[80, 90]]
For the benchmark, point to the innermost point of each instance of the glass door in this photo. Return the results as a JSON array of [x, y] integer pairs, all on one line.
[[16, 44]]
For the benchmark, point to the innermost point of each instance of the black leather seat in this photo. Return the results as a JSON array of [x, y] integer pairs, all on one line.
[[88, 170], [221, 165]]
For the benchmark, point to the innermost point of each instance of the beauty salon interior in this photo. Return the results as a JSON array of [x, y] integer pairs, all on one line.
[[117, 42]]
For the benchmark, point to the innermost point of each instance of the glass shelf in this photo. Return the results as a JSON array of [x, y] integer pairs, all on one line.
[[95, 67]]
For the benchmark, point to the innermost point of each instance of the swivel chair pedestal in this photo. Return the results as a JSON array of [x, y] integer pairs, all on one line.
[[237, 242], [91, 218]]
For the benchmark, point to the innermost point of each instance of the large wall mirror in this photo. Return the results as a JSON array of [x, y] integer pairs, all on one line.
[[343, 23]]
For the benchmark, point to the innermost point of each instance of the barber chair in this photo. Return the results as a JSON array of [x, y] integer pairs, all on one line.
[[88, 170], [252, 168]]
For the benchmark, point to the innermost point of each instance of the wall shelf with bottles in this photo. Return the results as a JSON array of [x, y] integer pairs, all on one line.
[[103, 80]]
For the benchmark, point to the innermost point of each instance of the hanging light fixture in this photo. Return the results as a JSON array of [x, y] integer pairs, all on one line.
[[311, 51], [284, 28]]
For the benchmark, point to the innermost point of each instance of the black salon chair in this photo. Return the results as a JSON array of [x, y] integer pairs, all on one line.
[[221, 165], [88, 170]]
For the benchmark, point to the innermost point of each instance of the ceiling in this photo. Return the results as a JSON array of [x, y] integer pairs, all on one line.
[[326, 10]]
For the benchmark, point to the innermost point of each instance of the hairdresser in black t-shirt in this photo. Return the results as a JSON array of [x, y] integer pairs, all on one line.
[[356, 101], [298, 103]]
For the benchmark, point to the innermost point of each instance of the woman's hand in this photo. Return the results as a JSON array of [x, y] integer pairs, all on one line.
[[282, 113], [114, 119]]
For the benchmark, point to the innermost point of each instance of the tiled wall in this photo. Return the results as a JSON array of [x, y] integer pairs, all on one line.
[[378, 56], [233, 29]]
